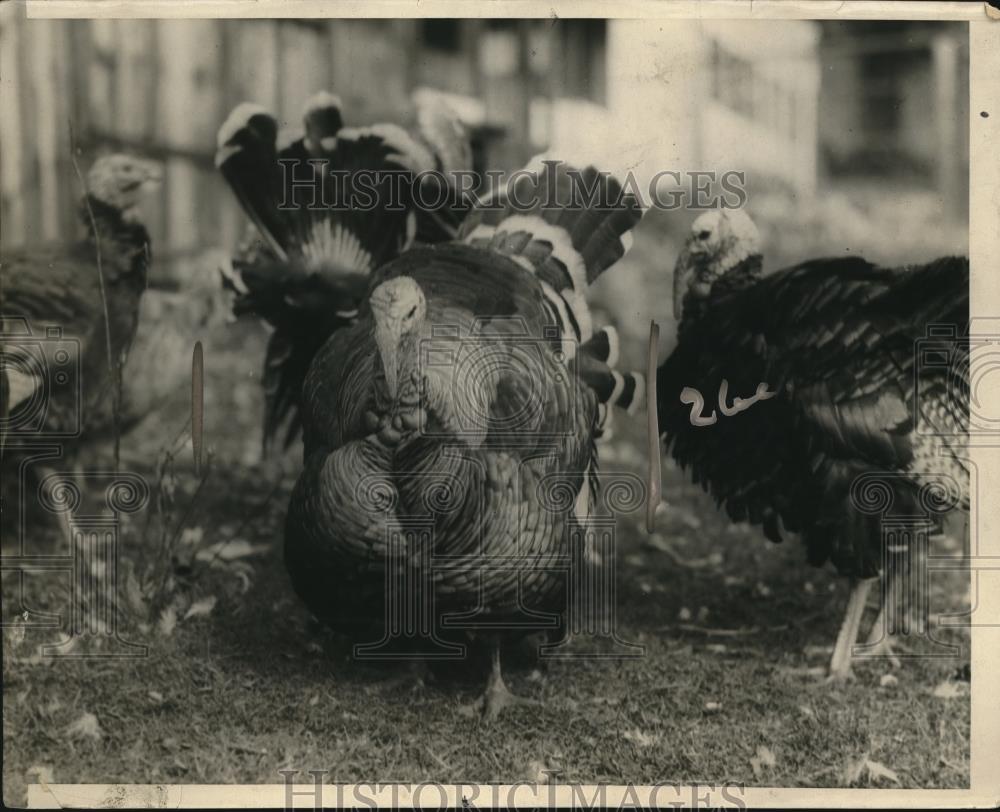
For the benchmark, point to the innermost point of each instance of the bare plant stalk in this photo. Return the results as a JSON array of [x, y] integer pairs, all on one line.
[[169, 536], [653, 490], [197, 404], [114, 365]]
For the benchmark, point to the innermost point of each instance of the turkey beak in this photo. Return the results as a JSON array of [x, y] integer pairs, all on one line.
[[387, 337], [683, 271]]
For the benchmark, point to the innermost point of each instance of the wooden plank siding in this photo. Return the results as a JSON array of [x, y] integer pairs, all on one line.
[[12, 147], [160, 89]]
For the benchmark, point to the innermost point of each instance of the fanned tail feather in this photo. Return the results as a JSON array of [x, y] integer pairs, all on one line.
[[604, 429], [440, 127], [625, 390], [247, 158], [567, 226], [322, 120], [603, 345], [443, 133], [329, 205]]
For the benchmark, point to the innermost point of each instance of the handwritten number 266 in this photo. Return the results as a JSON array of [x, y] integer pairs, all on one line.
[[693, 398]]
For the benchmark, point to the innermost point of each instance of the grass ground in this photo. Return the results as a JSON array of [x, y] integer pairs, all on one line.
[[236, 690]]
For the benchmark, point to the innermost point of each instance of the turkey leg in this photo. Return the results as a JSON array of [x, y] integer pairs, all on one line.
[[879, 640], [840, 662]]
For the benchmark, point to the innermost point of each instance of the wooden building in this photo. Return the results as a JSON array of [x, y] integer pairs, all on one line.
[[160, 88]]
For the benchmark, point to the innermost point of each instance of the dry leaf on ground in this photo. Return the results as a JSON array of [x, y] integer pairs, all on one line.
[[201, 607], [86, 727]]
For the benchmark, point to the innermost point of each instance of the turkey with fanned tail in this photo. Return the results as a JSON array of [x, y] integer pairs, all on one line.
[[329, 205], [790, 393], [440, 426]]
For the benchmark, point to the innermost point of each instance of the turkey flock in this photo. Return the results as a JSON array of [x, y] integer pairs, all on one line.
[[443, 370]]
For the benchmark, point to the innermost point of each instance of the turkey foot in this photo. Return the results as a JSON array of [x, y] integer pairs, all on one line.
[[884, 648], [497, 695], [880, 642]]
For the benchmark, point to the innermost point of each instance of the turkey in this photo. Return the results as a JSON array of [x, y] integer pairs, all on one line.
[[62, 358], [439, 428], [328, 206], [812, 390]]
